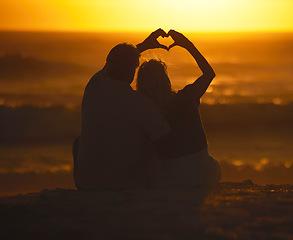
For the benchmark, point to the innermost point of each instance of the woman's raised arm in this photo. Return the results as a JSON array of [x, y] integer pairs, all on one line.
[[202, 83]]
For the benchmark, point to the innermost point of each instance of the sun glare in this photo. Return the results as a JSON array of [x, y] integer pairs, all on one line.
[[139, 15]]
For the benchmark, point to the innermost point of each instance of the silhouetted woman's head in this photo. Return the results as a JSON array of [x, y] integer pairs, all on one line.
[[122, 62], [153, 80]]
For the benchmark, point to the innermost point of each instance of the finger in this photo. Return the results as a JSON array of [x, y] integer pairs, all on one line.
[[171, 32], [163, 33], [160, 32], [175, 34]]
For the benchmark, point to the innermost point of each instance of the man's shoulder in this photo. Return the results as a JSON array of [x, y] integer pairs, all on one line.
[[95, 78], [98, 76]]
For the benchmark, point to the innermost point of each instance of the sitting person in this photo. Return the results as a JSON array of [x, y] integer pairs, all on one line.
[[116, 123], [183, 155]]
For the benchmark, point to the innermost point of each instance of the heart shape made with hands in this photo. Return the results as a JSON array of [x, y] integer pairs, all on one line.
[[166, 41]]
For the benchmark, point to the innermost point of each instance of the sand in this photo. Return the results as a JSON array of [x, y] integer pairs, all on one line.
[[231, 211]]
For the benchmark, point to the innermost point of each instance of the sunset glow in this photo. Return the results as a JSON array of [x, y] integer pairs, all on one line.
[[138, 15]]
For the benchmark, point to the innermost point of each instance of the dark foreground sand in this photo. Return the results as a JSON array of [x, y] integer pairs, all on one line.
[[232, 211]]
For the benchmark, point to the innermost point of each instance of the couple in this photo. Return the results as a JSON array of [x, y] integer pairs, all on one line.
[[149, 137]]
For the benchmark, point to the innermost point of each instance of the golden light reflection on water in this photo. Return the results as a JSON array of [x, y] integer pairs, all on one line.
[[210, 89], [228, 92], [278, 101], [261, 164], [209, 101], [38, 169], [36, 159], [240, 76], [237, 163], [288, 164]]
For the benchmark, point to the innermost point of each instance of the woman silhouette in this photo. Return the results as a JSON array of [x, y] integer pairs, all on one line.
[[183, 159]]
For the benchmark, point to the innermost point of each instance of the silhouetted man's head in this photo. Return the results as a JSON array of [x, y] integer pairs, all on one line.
[[122, 62]]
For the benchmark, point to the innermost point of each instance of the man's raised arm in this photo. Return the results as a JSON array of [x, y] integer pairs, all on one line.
[[151, 41]]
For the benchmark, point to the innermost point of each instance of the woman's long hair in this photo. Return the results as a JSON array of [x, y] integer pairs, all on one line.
[[153, 80]]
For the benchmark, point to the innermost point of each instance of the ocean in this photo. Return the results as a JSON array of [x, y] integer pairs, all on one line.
[[247, 111]]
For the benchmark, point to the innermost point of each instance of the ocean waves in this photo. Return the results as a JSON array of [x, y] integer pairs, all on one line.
[[30, 124]]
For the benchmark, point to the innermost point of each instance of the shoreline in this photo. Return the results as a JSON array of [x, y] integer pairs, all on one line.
[[246, 184]]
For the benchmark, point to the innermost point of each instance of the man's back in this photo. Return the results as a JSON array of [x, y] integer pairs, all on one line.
[[116, 122]]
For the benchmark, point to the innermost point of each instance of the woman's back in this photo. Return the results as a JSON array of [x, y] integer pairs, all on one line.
[[182, 114]]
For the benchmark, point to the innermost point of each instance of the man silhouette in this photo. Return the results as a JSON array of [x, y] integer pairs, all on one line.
[[116, 122]]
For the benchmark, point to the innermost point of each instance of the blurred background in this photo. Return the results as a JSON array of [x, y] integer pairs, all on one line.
[[50, 49]]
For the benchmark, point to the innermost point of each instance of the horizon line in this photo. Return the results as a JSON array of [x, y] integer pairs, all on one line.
[[139, 31]]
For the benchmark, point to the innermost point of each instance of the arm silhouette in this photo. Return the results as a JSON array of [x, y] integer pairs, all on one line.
[[195, 90], [200, 86], [151, 41]]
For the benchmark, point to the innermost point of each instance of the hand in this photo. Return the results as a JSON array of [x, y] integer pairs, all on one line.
[[179, 40], [151, 41]]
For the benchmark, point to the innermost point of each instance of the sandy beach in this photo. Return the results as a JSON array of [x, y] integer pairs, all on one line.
[[231, 211]]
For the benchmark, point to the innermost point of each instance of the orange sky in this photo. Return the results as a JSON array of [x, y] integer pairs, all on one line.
[[142, 15]]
